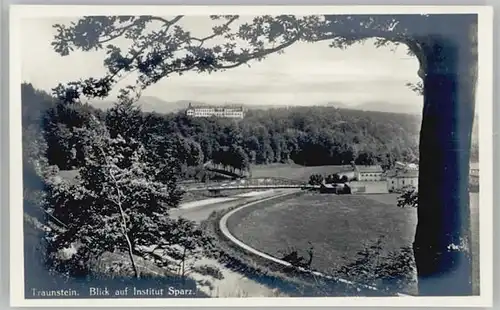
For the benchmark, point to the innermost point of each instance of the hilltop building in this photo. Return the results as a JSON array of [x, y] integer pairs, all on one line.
[[217, 111]]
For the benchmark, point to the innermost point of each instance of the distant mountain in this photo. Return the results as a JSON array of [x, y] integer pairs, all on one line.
[[387, 107], [151, 103], [101, 104], [338, 105]]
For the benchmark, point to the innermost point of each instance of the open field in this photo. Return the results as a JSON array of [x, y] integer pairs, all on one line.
[[336, 226], [292, 171]]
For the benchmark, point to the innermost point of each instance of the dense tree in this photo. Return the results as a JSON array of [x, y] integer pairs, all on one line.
[[268, 137], [34, 104], [118, 205], [125, 118], [445, 45], [61, 126], [264, 136]]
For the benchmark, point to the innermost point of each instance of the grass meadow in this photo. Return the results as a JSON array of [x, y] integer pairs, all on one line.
[[292, 171], [337, 227]]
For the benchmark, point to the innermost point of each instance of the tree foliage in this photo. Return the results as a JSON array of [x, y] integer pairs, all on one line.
[[409, 198], [34, 104], [119, 204], [316, 179], [391, 271], [158, 47], [306, 136]]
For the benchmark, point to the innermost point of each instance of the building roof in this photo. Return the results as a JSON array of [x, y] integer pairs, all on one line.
[[402, 165], [345, 169], [374, 168], [221, 107]]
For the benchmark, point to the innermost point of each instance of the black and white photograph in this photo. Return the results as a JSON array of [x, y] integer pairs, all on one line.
[[252, 156]]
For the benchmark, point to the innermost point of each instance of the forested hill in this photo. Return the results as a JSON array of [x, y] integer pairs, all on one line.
[[304, 135]]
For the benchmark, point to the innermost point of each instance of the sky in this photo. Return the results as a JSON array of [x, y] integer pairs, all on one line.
[[306, 74]]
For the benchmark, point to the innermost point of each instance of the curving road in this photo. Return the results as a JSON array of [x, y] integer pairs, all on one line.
[[200, 211], [233, 283]]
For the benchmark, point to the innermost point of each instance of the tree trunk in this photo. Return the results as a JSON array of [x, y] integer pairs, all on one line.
[[442, 240], [131, 256]]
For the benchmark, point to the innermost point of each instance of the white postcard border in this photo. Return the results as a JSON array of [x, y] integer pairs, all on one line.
[[484, 105]]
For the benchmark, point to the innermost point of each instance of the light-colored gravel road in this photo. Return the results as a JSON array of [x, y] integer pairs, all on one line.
[[233, 284], [200, 210]]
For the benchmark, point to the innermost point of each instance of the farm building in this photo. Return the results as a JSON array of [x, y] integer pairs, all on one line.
[[369, 173], [368, 187], [399, 179]]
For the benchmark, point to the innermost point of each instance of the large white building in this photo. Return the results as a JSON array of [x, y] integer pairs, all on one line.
[[402, 176], [368, 173], [399, 179], [217, 111]]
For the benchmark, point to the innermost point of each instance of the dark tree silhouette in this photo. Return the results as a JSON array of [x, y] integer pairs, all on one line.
[[445, 45]]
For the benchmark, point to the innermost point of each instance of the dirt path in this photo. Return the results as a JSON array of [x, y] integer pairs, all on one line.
[[233, 284]]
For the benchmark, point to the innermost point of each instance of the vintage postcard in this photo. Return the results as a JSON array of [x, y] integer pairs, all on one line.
[[251, 156]]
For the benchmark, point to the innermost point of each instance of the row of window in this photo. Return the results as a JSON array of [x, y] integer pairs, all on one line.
[[411, 182], [216, 110], [218, 114], [215, 113], [370, 174]]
